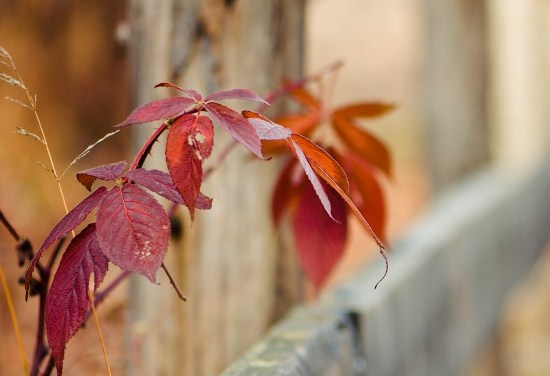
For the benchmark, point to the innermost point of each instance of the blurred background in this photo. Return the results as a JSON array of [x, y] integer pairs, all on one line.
[[470, 80]]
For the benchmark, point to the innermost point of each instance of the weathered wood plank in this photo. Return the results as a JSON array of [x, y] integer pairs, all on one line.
[[448, 280]]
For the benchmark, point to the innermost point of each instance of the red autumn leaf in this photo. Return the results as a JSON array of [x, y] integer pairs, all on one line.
[[202, 136], [242, 94], [106, 172], [161, 183], [366, 110], [363, 143], [266, 129], [157, 110], [67, 223], [310, 173], [133, 230], [320, 241], [183, 161], [331, 172], [236, 125], [366, 192], [286, 188], [190, 92], [67, 301]]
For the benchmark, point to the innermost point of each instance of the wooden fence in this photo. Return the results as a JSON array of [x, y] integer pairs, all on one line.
[[450, 275]]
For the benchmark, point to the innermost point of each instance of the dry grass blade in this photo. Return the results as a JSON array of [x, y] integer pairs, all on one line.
[[18, 102], [12, 81], [87, 151], [24, 132], [5, 54], [9, 303]]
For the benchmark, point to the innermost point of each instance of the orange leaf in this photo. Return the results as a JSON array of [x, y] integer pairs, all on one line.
[[303, 97], [301, 123], [366, 192], [321, 161], [368, 110], [363, 143]]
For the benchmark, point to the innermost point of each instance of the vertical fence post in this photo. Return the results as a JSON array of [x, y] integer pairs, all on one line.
[[226, 261], [457, 136]]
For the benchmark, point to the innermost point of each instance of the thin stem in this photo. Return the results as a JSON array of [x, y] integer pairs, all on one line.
[[146, 148], [9, 227], [99, 333], [173, 282], [99, 296], [221, 157], [15, 324]]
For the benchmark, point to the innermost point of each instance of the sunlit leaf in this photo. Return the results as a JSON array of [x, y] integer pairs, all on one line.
[[266, 129], [315, 182]]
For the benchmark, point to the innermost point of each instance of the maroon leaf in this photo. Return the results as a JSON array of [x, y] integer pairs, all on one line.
[[320, 240], [156, 110], [68, 223], [266, 129], [67, 301], [286, 189], [190, 92], [133, 230], [183, 163], [243, 94], [106, 172], [237, 126], [161, 183]]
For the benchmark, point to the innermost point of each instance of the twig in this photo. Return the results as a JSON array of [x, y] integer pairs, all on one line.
[[99, 333], [9, 227], [15, 324], [180, 294]]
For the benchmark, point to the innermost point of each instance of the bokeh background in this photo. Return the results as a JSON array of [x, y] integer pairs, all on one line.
[[73, 56]]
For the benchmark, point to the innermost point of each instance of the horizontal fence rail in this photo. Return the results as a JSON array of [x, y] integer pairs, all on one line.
[[449, 277]]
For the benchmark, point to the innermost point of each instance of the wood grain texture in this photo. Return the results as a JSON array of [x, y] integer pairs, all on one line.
[[227, 260]]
